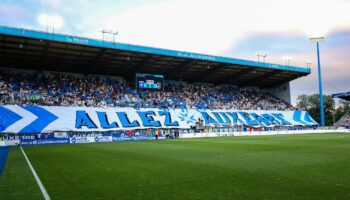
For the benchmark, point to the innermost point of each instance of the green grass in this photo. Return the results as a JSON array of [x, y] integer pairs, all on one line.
[[17, 181], [268, 167]]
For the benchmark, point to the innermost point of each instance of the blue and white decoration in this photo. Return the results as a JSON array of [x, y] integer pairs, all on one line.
[[43, 119]]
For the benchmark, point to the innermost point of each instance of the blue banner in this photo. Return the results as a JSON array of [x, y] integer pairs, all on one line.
[[43, 119]]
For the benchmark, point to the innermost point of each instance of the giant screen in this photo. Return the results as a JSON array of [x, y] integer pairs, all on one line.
[[149, 82]]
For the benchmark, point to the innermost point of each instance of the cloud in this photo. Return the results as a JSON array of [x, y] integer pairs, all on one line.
[[213, 26], [338, 39], [276, 45], [53, 4], [55, 21], [334, 57], [11, 11], [209, 27], [334, 65], [18, 13]]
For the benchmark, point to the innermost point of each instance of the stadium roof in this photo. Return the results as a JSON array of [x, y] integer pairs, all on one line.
[[29, 49], [345, 96]]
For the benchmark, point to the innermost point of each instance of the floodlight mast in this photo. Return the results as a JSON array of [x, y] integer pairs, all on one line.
[[287, 60], [105, 31], [308, 64], [317, 40], [261, 55]]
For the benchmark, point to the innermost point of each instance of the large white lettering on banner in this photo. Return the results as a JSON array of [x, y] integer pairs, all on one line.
[[43, 119]]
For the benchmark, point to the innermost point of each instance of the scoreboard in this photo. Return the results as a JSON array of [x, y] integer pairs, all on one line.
[[149, 82]]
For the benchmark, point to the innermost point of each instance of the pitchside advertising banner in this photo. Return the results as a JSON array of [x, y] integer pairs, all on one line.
[[77, 138], [44, 119]]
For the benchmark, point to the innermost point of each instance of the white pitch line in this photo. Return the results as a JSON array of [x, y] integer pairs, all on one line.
[[41, 186]]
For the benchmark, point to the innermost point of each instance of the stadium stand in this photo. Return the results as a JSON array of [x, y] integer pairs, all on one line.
[[344, 96], [57, 89], [344, 121], [77, 78]]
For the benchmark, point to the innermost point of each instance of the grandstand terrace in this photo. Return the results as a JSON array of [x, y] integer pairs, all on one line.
[[59, 89]]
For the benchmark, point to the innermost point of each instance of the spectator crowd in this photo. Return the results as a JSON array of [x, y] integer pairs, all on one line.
[[93, 91]]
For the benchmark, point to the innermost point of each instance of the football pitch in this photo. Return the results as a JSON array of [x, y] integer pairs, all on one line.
[[313, 166]]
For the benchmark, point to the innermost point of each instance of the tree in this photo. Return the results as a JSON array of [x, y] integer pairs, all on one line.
[[302, 102], [311, 103]]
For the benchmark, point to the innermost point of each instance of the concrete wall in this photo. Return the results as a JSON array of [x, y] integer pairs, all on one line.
[[280, 91]]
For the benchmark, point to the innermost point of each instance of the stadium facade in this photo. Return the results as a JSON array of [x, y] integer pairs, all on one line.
[[22, 50]]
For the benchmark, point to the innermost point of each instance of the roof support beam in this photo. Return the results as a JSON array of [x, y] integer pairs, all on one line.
[[180, 67], [60, 61], [94, 64], [44, 56], [55, 47], [232, 77], [276, 83], [208, 74], [3, 45], [259, 78], [142, 63], [23, 50]]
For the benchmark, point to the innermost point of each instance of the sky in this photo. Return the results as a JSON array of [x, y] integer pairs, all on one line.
[[232, 28]]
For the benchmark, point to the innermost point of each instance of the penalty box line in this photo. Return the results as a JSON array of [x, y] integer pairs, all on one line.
[[41, 186]]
